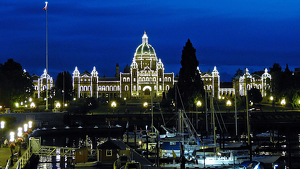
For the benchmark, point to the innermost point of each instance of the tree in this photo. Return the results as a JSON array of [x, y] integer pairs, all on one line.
[[255, 95], [63, 86], [190, 85], [239, 72], [15, 85]]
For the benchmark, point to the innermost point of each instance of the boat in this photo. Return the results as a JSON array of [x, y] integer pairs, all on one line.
[[132, 165], [121, 161], [86, 164]]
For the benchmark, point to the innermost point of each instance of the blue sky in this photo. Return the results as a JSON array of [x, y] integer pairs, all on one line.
[[227, 34]]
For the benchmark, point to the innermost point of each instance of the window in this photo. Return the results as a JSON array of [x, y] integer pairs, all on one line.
[[167, 87], [134, 88], [126, 88], [109, 152]]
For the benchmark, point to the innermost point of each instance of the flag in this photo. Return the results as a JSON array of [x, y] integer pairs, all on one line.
[[46, 6]]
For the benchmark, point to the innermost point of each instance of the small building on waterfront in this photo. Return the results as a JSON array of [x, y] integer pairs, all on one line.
[[108, 152]]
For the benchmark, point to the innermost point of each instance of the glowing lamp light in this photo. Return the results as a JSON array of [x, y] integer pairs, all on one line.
[[113, 104], [228, 103], [30, 99], [17, 105], [12, 136], [25, 127], [145, 104], [124, 98], [2, 124], [32, 105], [57, 105], [199, 104], [283, 102], [66, 104], [30, 124], [271, 98], [19, 132]]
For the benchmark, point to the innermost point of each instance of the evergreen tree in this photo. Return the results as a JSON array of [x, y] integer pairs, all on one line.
[[15, 85], [63, 86], [239, 72], [190, 84]]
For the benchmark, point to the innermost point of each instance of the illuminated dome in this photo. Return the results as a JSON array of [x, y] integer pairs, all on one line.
[[145, 48]]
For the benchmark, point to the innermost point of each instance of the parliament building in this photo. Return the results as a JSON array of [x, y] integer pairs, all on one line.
[[146, 76]]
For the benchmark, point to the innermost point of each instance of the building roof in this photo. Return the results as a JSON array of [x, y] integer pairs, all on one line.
[[109, 144]]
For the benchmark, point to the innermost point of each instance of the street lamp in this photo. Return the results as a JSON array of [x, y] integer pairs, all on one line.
[[2, 124], [145, 105], [228, 103], [113, 105], [30, 124], [12, 136], [25, 127], [283, 102], [19, 134], [198, 104], [57, 105]]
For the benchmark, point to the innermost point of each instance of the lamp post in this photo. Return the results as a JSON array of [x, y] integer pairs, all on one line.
[[198, 104], [228, 104], [113, 105], [2, 124], [146, 106], [283, 103]]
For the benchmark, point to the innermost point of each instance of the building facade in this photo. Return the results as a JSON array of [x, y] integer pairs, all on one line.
[[212, 84], [42, 83], [144, 77]]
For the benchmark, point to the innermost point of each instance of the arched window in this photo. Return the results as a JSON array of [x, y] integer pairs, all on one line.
[[160, 88], [103, 88], [134, 87], [167, 87], [154, 78], [107, 88], [124, 79], [111, 88], [169, 79], [133, 79], [126, 88], [128, 79], [166, 79]]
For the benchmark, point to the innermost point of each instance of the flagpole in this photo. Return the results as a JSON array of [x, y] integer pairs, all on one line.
[[46, 9]]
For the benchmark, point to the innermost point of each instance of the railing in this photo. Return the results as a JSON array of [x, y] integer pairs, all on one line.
[[54, 151], [24, 158], [36, 148]]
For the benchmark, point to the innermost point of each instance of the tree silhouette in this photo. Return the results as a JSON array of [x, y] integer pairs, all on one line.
[[63, 86], [190, 84], [15, 85]]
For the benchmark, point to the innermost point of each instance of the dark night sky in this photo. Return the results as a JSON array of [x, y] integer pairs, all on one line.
[[227, 34]]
